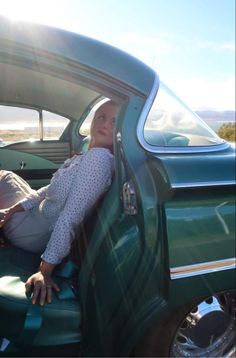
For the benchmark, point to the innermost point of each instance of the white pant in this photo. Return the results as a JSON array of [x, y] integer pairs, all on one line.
[[28, 230]]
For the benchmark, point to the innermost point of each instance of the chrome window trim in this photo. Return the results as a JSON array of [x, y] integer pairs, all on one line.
[[203, 184], [175, 150], [145, 111], [202, 268], [155, 149], [41, 132]]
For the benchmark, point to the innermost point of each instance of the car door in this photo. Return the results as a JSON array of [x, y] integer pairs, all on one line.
[[33, 143]]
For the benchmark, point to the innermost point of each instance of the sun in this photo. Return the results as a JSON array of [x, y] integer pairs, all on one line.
[[27, 10]]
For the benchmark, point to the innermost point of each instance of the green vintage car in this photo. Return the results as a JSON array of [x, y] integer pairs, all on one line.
[[154, 268]]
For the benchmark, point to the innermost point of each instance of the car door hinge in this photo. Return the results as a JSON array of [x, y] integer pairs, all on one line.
[[129, 199]]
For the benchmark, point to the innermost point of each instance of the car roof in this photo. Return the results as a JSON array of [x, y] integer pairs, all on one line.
[[87, 51]]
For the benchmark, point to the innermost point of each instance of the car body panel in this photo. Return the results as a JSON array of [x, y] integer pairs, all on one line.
[[198, 201], [193, 170], [208, 220]]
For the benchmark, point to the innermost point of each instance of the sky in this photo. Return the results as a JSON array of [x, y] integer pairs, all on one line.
[[189, 43]]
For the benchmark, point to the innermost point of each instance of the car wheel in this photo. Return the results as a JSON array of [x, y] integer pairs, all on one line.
[[202, 329]]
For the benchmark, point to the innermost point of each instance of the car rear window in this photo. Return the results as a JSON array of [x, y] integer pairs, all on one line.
[[171, 124]]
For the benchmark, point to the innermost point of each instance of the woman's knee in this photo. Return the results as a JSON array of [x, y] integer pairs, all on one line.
[[12, 189]]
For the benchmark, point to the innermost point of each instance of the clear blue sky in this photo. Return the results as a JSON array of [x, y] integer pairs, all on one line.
[[190, 43]]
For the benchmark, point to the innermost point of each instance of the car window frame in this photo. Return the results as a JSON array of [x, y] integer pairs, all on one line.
[[162, 149]]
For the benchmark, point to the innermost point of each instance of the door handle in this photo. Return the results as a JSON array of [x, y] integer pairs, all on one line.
[[22, 164]]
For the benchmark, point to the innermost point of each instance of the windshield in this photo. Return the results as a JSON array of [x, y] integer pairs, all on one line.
[[170, 123]]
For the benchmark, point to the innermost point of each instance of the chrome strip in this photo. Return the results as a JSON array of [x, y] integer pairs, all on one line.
[[146, 110], [173, 150], [179, 150], [202, 269], [231, 353], [203, 184]]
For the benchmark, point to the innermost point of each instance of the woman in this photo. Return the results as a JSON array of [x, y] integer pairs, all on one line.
[[44, 221]]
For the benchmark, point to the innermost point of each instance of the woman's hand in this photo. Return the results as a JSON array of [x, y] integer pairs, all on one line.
[[42, 287], [42, 284], [5, 214]]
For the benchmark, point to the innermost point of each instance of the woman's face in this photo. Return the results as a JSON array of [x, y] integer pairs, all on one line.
[[103, 125]]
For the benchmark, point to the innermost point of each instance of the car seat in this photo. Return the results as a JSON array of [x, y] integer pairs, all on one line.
[[24, 324]]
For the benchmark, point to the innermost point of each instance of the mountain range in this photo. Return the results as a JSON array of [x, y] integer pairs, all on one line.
[[211, 114], [214, 118]]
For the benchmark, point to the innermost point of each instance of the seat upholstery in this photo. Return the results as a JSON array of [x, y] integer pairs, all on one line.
[[163, 139], [60, 319]]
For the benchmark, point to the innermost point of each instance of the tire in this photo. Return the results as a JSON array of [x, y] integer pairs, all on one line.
[[204, 328]]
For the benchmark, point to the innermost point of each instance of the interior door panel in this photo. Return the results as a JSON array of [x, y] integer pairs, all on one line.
[[34, 161], [54, 151]]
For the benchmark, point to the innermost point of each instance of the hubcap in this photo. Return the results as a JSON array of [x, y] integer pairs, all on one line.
[[208, 329]]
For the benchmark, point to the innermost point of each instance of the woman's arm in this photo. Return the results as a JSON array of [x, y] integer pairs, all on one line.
[[30, 201], [34, 198]]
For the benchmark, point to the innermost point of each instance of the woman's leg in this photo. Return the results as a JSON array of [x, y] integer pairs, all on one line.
[[12, 189], [28, 230]]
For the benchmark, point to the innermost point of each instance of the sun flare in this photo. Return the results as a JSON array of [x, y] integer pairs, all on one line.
[[27, 10]]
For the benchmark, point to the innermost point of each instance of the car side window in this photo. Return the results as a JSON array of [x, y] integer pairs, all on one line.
[[53, 125], [84, 129], [19, 124]]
